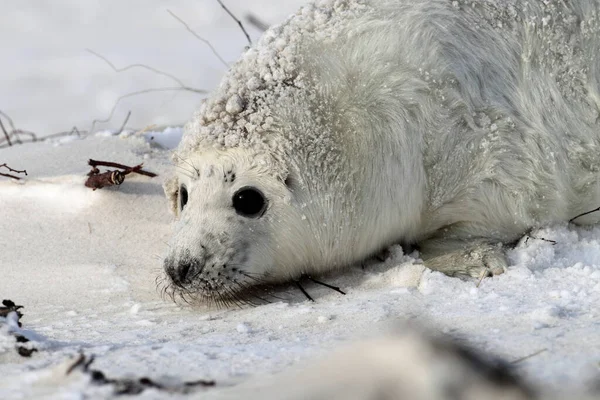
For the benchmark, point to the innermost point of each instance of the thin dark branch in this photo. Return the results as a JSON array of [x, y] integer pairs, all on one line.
[[9, 176], [553, 242], [206, 42], [124, 123], [585, 213], [9, 119], [236, 20], [527, 357], [137, 65], [14, 132], [303, 291], [16, 171], [337, 289], [5, 133], [73, 130], [136, 93], [257, 22], [127, 169]]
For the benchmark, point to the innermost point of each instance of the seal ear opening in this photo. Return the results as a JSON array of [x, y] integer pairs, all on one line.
[[171, 188]]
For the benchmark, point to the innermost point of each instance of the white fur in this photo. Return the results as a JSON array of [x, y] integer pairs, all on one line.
[[455, 125]]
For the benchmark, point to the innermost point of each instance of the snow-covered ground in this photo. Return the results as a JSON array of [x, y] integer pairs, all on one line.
[[84, 263]]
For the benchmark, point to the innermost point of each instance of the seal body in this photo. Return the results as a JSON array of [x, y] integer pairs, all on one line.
[[453, 125]]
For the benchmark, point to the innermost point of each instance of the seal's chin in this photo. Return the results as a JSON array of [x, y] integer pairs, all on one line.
[[240, 295]]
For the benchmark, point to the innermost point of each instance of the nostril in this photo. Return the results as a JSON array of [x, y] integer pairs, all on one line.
[[183, 271]]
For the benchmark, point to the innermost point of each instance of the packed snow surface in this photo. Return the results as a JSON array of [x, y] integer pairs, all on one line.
[[84, 264]]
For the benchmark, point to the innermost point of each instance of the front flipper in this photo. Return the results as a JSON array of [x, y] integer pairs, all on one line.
[[464, 260]]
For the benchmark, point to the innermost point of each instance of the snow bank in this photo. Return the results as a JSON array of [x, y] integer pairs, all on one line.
[[84, 264]]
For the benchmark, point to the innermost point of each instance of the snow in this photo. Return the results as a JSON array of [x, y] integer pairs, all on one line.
[[83, 263]]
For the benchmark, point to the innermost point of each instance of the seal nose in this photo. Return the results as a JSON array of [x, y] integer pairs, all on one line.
[[182, 271]]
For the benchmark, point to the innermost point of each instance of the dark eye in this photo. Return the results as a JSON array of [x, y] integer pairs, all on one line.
[[249, 202], [183, 197]]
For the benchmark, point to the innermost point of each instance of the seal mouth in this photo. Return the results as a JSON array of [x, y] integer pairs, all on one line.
[[195, 284]]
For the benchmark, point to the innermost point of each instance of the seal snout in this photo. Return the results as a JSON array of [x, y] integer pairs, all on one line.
[[184, 270]]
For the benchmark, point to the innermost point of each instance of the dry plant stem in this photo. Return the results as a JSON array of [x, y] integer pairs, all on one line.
[[304, 292], [12, 170], [257, 22], [14, 132], [518, 360], [5, 133], [236, 20], [182, 85], [137, 65], [124, 123], [136, 93], [137, 169], [585, 213], [327, 285], [206, 42]]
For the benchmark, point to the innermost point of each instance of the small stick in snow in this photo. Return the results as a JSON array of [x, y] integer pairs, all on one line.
[[137, 169], [303, 291], [14, 132], [132, 386], [124, 122], [541, 238], [5, 133], [337, 289], [99, 180], [582, 214], [236, 20], [12, 170], [527, 357]]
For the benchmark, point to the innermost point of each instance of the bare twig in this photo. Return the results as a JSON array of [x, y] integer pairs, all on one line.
[[527, 357], [257, 22], [182, 85], [136, 93], [5, 133], [337, 289], [126, 169], [12, 170], [97, 180], [304, 292], [236, 20], [124, 123], [73, 130], [14, 132], [582, 214], [9, 119], [206, 42], [553, 242]]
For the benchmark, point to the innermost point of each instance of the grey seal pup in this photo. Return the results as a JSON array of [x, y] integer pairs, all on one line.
[[456, 126]]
